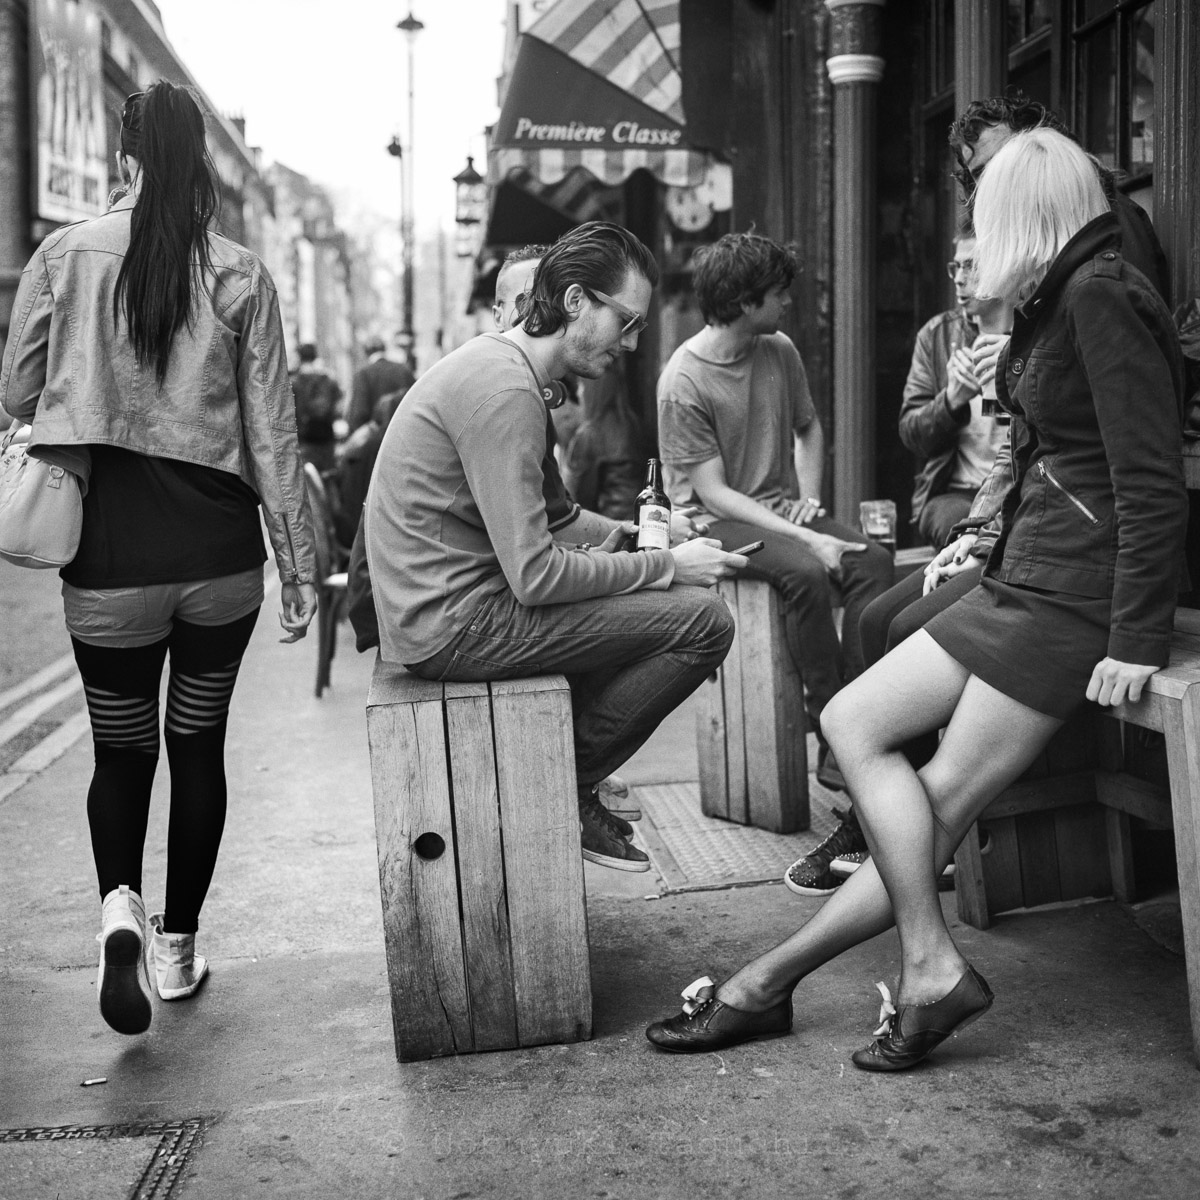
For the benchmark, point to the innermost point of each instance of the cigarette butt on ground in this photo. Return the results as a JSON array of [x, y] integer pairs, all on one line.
[[93, 1082]]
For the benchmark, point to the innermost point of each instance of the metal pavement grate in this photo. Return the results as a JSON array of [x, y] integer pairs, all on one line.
[[693, 852], [176, 1141]]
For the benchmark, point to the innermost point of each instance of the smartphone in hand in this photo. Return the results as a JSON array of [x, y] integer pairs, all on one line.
[[752, 548]]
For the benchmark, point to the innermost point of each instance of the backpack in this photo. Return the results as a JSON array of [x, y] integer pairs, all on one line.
[[316, 400]]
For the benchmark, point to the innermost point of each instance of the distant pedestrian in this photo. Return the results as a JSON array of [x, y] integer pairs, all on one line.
[[381, 376], [317, 400], [151, 346], [355, 465]]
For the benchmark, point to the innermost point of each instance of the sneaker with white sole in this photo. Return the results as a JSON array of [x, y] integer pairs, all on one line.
[[810, 875], [123, 982], [614, 795], [178, 969], [602, 844]]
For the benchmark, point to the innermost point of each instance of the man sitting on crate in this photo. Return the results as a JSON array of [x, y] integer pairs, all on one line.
[[740, 439], [476, 579]]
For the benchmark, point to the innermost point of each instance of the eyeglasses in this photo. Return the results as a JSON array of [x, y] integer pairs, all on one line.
[[954, 266], [634, 322]]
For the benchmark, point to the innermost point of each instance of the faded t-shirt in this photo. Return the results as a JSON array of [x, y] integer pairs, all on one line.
[[979, 442], [744, 412]]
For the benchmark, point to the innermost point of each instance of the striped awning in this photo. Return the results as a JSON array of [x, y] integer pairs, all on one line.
[[596, 84]]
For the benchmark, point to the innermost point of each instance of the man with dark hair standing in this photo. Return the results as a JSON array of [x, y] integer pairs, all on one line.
[[317, 397], [985, 125], [741, 441], [484, 569], [380, 377]]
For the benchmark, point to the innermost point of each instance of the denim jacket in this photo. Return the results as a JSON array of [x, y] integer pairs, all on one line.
[[226, 401], [1093, 377]]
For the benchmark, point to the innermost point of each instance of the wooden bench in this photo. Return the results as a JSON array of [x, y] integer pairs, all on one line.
[[1170, 704], [480, 870], [750, 720]]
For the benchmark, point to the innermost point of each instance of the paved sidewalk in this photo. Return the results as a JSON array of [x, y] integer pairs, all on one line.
[[280, 1078]]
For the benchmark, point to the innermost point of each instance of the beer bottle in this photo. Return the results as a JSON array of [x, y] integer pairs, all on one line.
[[652, 511]]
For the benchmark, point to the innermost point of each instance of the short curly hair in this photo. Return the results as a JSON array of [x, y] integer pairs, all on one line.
[[1015, 109], [739, 269]]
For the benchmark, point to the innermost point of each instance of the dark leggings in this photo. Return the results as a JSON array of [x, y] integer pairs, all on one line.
[[122, 686]]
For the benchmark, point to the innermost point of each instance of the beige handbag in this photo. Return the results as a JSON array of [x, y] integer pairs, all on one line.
[[41, 507]]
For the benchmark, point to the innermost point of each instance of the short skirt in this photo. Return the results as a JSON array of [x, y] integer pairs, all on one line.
[[1037, 647]]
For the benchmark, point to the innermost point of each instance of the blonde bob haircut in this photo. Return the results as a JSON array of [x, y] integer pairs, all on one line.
[[1038, 191]]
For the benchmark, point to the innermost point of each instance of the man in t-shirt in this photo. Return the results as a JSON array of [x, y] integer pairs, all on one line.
[[941, 419], [741, 441], [484, 568]]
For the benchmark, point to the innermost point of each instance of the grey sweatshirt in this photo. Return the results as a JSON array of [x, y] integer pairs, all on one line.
[[465, 501]]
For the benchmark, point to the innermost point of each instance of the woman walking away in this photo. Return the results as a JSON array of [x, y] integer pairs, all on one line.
[[1076, 601], [145, 342]]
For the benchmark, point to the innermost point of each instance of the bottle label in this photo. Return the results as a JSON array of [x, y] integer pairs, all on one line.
[[654, 528]]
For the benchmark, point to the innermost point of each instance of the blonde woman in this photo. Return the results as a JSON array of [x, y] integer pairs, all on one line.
[[1075, 602]]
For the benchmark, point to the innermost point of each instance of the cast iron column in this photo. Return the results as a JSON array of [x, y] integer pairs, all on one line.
[[854, 71], [978, 51]]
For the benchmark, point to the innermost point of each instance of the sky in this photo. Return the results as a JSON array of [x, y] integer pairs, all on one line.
[[323, 85]]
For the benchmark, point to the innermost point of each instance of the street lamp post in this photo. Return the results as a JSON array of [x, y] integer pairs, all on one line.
[[410, 26], [470, 208], [396, 149]]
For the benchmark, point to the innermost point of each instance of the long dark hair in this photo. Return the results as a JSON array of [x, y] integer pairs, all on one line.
[[163, 129]]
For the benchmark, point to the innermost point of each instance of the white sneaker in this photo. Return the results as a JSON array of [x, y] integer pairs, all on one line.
[[178, 969], [123, 984], [614, 792]]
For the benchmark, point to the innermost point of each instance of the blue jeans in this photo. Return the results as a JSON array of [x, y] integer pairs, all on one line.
[[810, 595], [630, 660]]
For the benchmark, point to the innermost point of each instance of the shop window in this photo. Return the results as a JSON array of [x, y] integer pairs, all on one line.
[[1028, 17], [1114, 47], [940, 51]]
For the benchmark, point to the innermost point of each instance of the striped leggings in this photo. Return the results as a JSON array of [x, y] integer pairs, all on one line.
[[122, 688]]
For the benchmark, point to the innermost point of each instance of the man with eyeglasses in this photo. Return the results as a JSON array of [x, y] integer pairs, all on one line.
[[941, 418], [480, 572]]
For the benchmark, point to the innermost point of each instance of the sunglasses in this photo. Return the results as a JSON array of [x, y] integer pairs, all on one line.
[[634, 322], [954, 267], [130, 107]]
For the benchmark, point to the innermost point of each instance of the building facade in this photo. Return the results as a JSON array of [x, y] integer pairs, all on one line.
[[66, 67]]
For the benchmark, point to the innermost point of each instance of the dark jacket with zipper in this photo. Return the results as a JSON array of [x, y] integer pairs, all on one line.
[[1093, 376]]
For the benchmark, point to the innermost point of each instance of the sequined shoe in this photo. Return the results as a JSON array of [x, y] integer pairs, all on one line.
[[811, 875], [907, 1034], [707, 1023]]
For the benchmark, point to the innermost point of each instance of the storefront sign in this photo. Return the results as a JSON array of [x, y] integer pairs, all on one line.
[[553, 103], [68, 106]]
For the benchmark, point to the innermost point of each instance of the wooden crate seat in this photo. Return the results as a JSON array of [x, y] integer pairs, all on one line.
[[1170, 704], [750, 720], [480, 870]]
